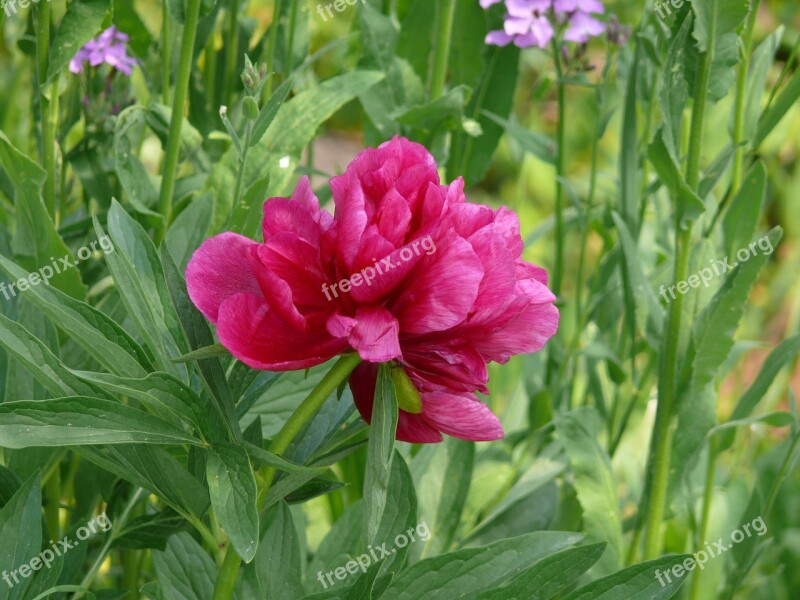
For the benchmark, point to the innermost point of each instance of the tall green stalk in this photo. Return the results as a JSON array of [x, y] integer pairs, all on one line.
[[560, 162], [441, 58], [166, 52], [273, 42], [178, 110], [226, 580], [231, 51], [661, 445], [48, 106]]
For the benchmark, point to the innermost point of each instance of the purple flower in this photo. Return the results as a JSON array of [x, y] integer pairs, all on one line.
[[585, 6], [108, 48], [533, 22], [582, 26]]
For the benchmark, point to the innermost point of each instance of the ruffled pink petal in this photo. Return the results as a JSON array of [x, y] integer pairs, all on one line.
[[222, 267], [373, 333], [300, 215], [463, 417], [260, 338], [442, 288]]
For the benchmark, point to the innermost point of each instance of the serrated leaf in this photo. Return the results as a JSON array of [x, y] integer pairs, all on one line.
[[470, 571], [91, 329], [232, 487], [741, 218], [639, 582], [79, 421], [380, 452]]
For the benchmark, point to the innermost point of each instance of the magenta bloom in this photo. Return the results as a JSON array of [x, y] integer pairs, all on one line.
[[406, 271], [108, 48]]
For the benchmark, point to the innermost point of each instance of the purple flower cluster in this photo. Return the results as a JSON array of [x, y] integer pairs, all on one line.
[[108, 48], [532, 22]]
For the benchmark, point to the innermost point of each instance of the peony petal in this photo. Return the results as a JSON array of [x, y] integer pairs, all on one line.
[[441, 289], [260, 338], [463, 417], [222, 267], [373, 333]]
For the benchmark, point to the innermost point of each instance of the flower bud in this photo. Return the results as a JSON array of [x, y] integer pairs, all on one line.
[[408, 398], [250, 108]]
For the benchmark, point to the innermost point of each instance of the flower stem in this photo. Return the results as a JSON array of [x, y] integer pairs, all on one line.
[[166, 51], [48, 107], [237, 192], [178, 110], [273, 42], [741, 96], [231, 51], [560, 156], [226, 580], [661, 445], [441, 58]]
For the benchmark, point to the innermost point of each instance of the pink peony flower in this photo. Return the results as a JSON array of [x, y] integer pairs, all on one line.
[[406, 271]]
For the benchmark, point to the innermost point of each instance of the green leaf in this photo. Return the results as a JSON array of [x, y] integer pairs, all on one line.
[[152, 468], [21, 532], [198, 334], [530, 505], [741, 218], [339, 545], [140, 277], [204, 353], [280, 463], [134, 178], [66, 588], [594, 483], [537, 144], [715, 30], [690, 205], [780, 356], [270, 110], [468, 572], [442, 474], [712, 338], [83, 20], [79, 421], [549, 576], [760, 63], [168, 397], [777, 110], [190, 229], [185, 571], [278, 560], [91, 329], [279, 151], [149, 531], [40, 361], [36, 240], [400, 515], [639, 582], [232, 487], [379, 453]]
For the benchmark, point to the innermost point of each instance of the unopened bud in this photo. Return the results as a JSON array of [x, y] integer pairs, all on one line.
[[250, 108]]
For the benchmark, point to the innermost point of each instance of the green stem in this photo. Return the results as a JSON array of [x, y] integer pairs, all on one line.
[[178, 109], [52, 495], [741, 96], [226, 580], [290, 43], [119, 524], [231, 51], [273, 42], [49, 108], [560, 156], [705, 515], [166, 50], [237, 192], [441, 58], [661, 446], [210, 70]]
